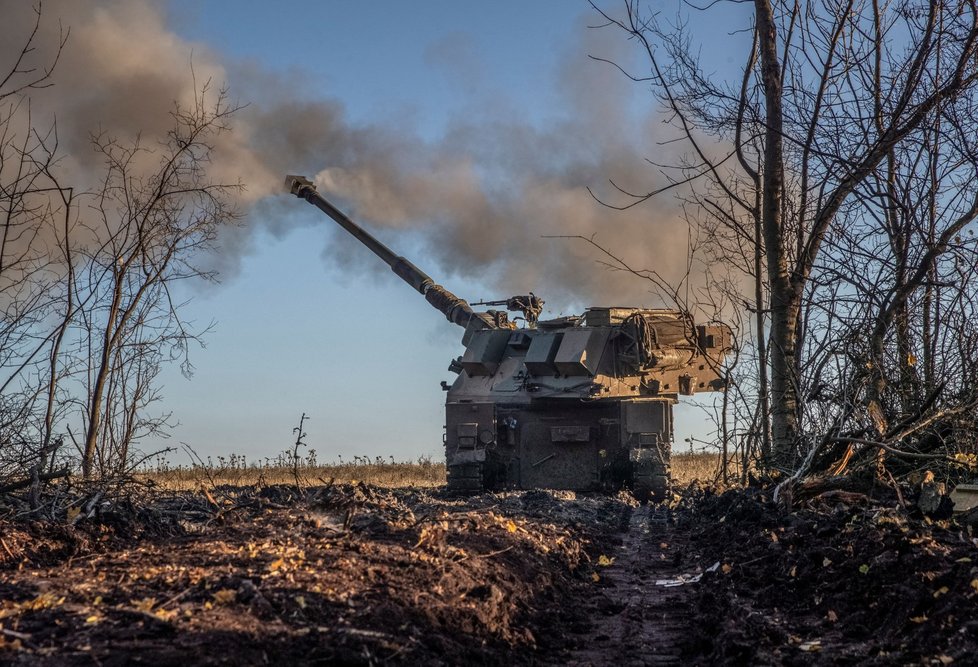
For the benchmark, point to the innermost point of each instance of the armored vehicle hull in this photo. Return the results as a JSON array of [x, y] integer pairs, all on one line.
[[577, 403], [599, 445]]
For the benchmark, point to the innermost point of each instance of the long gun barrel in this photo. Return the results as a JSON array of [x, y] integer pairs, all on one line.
[[455, 309]]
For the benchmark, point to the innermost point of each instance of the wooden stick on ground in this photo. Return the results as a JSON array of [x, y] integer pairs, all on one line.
[[44, 477]]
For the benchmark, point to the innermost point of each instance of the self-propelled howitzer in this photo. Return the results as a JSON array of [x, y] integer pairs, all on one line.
[[569, 403]]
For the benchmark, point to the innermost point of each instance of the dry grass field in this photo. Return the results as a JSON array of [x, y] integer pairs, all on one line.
[[687, 468], [234, 471], [388, 473]]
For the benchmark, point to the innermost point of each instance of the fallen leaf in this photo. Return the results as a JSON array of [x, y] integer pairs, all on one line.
[[864, 569], [826, 562], [974, 584], [604, 561], [831, 616], [794, 571], [726, 568], [145, 604], [595, 577], [280, 562], [969, 460], [43, 601], [225, 596], [301, 601], [165, 614], [941, 591], [12, 645], [510, 526], [811, 647], [918, 619]]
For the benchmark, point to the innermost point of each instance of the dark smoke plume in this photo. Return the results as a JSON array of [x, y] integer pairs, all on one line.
[[480, 199]]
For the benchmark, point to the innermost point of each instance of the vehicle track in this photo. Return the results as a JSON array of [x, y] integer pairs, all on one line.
[[634, 621]]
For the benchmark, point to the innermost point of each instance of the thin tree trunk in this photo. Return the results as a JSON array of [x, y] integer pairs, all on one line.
[[784, 295], [101, 376], [763, 388]]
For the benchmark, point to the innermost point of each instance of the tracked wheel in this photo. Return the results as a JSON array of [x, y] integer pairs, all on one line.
[[650, 488], [466, 477], [650, 481]]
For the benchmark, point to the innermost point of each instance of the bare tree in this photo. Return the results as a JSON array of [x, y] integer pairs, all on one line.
[[87, 311], [832, 95], [150, 226], [33, 285]]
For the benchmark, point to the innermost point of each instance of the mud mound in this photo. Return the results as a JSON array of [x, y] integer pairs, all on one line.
[[843, 580], [346, 574], [355, 574]]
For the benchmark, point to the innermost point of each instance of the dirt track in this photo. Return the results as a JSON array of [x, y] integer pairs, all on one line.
[[635, 620], [361, 575]]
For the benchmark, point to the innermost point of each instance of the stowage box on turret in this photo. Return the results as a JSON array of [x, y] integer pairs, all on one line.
[[571, 403]]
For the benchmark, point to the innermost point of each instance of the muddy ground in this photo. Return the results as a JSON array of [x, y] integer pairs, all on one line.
[[354, 574]]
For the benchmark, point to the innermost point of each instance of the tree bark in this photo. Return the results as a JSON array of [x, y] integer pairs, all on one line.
[[784, 299]]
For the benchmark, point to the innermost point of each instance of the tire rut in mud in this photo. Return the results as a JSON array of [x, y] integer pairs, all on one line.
[[635, 621]]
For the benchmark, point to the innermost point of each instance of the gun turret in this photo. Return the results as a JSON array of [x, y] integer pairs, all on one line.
[[457, 310]]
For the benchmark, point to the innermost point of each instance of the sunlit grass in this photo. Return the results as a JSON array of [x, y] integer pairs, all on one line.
[[235, 470], [687, 467]]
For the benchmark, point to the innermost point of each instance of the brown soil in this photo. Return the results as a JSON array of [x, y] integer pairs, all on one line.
[[354, 574], [346, 574], [634, 619], [845, 579]]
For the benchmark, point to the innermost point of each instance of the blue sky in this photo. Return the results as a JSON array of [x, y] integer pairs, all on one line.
[[310, 324], [386, 58]]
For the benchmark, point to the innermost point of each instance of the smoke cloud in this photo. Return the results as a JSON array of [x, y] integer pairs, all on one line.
[[480, 199]]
